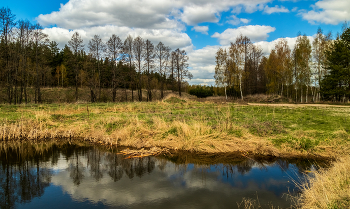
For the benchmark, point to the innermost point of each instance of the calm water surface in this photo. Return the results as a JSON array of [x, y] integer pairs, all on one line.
[[71, 175]]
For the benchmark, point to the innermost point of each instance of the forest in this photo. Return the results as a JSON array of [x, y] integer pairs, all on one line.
[[310, 72], [313, 71], [29, 60]]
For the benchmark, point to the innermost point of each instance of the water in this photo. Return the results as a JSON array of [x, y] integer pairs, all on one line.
[[76, 175]]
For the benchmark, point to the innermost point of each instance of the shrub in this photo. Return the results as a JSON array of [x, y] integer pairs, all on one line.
[[202, 92]]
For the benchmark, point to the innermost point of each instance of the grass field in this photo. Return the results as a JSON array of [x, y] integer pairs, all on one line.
[[188, 125]]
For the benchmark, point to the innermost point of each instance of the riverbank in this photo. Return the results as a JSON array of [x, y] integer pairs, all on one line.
[[181, 124]]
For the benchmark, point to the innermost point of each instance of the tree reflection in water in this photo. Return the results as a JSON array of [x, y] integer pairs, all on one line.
[[27, 168]]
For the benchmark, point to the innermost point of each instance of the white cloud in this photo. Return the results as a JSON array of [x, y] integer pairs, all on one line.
[[156, 14], [172, 38], [236, 21], [268, 46], [254, 32], [131, 13], [328, 12], [202, 65], [193, 15], [201, 29], [275, 9]]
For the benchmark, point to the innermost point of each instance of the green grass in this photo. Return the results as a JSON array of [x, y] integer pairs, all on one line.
[[302, 128]]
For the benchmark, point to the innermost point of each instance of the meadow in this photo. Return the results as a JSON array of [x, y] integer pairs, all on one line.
[[182, 124]]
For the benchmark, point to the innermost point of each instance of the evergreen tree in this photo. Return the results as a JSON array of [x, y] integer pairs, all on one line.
[[335, 85]]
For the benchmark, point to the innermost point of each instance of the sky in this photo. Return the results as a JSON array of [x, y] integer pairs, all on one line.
[[200, 27]]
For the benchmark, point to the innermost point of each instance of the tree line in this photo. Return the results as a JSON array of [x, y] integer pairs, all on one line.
[[28, 59], [310, 72]]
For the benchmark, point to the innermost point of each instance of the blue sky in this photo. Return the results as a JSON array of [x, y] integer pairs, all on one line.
[[198, 26]]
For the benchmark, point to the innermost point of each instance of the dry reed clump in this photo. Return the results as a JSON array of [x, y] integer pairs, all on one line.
[[172, 95], [327, 188]]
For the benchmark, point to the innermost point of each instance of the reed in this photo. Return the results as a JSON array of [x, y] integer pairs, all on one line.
[[327, 188]]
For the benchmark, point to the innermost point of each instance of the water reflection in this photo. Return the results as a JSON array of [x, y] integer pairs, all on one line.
[[81, 175]]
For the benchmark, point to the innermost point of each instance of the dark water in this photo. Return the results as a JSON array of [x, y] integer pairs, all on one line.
[[62, 175]]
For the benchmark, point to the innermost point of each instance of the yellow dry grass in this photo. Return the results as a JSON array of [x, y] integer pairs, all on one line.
[[139, 125], [327, 188]]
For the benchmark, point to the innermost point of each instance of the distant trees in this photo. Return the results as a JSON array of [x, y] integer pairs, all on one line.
[[307, 73], [30, 61], [238, 68], [202, 91]]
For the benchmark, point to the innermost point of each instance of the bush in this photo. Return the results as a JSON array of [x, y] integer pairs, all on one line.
[[202, 92]]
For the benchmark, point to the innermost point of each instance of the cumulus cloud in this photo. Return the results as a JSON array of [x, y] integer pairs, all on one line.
[[157, 14], [275, 9], [201, 29], [172, 38], [131, 13], [328, 12], [192, 15], [254, 32], [202, 63]]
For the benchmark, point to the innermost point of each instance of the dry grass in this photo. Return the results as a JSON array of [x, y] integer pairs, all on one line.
[[328, 188], [180, 123]]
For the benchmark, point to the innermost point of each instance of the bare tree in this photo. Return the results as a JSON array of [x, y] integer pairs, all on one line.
[[221, 78], [128, 57], [97, 48], [138, 52], [39, 39], [181, 66], [76, 45], [114, 47], [7, 23], [162, 55], [149, 66], [25, 30]]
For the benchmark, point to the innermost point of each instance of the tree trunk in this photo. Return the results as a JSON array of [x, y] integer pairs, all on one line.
[[240, 86]]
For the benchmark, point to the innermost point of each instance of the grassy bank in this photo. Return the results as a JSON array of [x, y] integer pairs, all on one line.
[[328, 188], [188, 125]]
